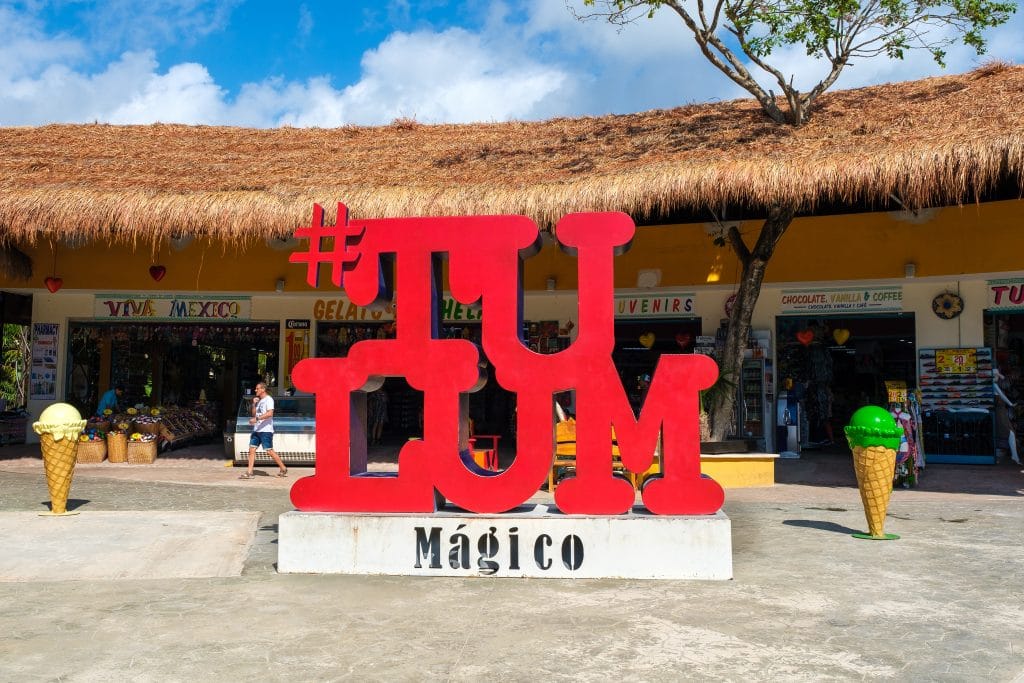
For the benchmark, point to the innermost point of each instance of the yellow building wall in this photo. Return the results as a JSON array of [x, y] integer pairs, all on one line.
[[986, 238]]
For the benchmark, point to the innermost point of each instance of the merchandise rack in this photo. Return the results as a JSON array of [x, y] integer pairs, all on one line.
[[958, 409]]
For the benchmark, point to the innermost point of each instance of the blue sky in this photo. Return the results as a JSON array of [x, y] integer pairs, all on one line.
[[328, 63]]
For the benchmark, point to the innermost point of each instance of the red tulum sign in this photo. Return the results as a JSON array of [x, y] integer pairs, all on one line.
[[447, 370]]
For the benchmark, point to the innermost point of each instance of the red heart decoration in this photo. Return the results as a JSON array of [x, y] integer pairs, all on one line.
[[805, 337], [53, 284], [157, 272], [683, 339]]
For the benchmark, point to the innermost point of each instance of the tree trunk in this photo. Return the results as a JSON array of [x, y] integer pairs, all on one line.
[[754, 262]]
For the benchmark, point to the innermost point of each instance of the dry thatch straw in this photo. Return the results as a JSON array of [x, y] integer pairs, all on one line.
[[929, 142]]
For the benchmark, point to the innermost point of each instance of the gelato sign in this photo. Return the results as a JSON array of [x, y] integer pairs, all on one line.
[[842, 300], [165, 307], [344, 310]]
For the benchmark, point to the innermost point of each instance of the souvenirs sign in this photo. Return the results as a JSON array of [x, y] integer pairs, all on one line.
[[661, 305]]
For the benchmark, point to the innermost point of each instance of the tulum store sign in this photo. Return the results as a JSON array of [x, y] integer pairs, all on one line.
[[165, 307], [378, 514], [1006, 294]]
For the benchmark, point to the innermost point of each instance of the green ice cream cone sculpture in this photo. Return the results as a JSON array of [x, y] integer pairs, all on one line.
[[58, 429], [874, 438]]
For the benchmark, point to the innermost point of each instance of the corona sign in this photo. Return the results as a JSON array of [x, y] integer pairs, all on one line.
[[485, 264]]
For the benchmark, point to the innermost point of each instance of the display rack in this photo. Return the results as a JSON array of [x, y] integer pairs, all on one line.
[[957, 405]]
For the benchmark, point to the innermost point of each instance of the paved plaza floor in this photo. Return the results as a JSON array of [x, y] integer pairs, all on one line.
[[807, 603]]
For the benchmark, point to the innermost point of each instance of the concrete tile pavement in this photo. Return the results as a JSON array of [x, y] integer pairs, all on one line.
[[808, 602]]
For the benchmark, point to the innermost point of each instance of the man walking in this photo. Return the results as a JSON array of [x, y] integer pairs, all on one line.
[[262, 422]]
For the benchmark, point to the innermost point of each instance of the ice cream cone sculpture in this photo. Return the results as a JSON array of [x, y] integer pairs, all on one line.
[[58, 429], [874, 438]]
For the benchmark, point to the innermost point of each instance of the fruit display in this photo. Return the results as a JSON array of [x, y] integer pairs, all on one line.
[[179, 426]]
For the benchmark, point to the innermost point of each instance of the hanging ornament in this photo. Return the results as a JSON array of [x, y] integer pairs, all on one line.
[[729, 304], [53, 283], [805, 337], [947, 305], [157, 271], [841, 335], [683, 339], [647, 340]]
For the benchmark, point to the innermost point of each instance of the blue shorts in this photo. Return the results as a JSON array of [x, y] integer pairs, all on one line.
[[265, 439]]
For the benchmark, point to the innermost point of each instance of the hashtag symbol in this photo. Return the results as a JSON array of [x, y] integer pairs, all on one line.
[[340, 256]]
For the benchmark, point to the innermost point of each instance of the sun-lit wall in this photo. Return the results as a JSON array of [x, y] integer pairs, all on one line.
[[983, 238]]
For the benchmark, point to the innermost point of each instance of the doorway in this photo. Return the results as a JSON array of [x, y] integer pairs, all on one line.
[[837, 364]]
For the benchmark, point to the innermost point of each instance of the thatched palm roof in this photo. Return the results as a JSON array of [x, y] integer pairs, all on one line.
[[934, 141]]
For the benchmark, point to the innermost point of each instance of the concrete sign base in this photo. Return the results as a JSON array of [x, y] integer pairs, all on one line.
[[531, 541]]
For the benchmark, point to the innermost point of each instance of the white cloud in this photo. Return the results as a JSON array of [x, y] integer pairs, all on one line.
[[430, 77], [185, 94], [529, 59], [129, 24], [25, 48], [305, 21]]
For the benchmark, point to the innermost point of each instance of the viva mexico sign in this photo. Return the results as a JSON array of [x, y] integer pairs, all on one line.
[[485, 264]]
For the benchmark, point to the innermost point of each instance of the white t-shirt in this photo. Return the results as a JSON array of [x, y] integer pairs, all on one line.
[[265, 405]]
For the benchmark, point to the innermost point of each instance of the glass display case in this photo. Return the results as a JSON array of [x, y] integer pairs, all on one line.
[[753, 405], [294, 431]]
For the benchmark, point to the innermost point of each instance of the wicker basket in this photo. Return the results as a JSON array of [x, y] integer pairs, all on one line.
[[147, 427], [98, 425], [117, 447], [141, 452], [92, 451]]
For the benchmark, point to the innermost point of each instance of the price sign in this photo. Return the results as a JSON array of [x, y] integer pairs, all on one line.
[[897, 390], [956, 361]]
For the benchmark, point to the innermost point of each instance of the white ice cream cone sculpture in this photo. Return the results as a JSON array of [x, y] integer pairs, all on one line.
[[58, 429], [874, 437]]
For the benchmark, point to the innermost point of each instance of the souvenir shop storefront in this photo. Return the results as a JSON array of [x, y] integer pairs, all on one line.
[[646, 326], [169, 350], [933, 351], [188, 357], [840, 348], [1004, 334]]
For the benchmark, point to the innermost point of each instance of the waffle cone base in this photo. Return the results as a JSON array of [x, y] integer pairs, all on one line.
[[875, 467], [59, 459]]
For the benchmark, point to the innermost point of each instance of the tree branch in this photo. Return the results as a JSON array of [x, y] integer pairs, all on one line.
[[735, 240]]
